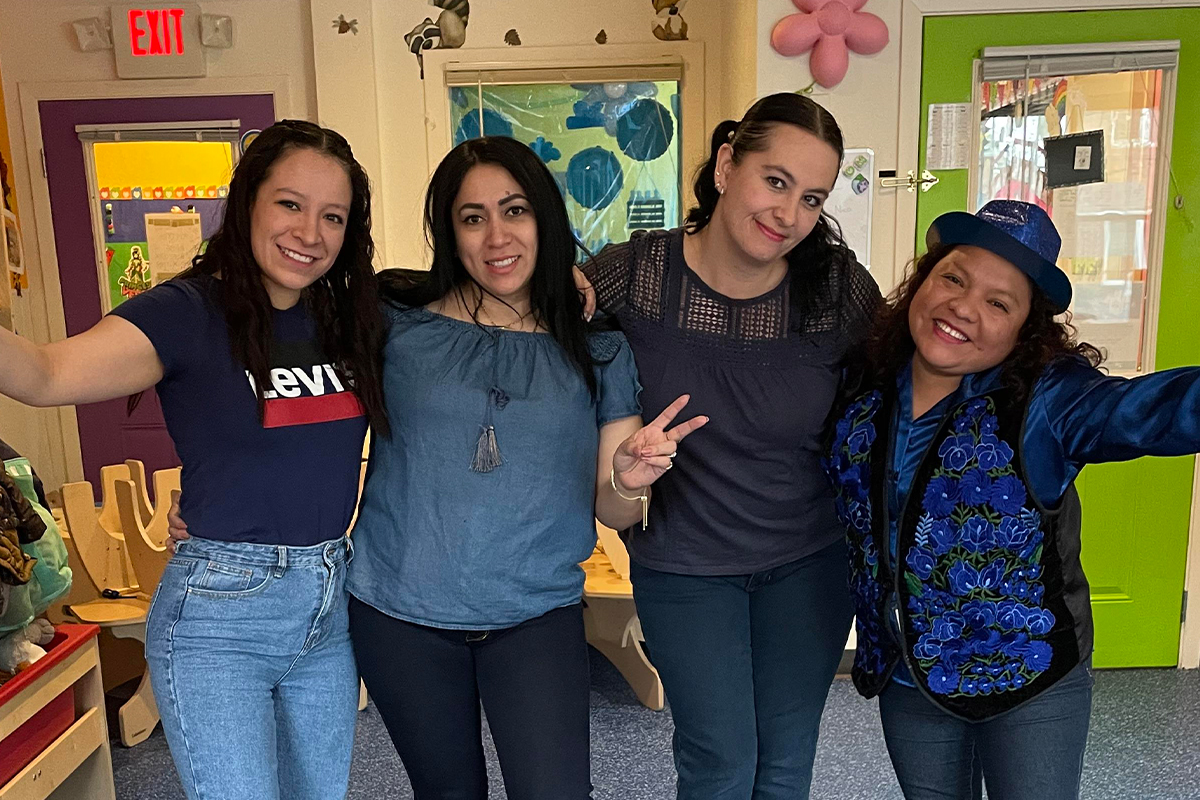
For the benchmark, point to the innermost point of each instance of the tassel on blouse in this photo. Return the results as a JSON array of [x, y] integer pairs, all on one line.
[[487, 451]]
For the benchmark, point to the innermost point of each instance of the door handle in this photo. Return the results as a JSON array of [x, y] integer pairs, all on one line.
[[910, 182]]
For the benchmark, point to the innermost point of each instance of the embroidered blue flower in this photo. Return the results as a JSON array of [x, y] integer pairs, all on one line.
[[942, 537], [977, 534], [852, 480], [941, 496], [992, 453], [860, 516], [1040, 621], [976, 407], [988, 424], [942, 680], [1007, 495], [985, 642], [1012, 533], [992, 575], [963, 578], [841, 430], [957, 451], [920, 561], [976, 487], [1012, 615], [861, 439], [927, 648], [870, 554], [948, 626], [1037, 656], [980, 614]]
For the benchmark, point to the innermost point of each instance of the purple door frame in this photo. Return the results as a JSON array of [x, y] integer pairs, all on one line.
[[107, 434]]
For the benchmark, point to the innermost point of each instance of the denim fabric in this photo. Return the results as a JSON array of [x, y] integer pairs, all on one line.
[[442, 545], [1034, 752], [252, 669], [746, 662]]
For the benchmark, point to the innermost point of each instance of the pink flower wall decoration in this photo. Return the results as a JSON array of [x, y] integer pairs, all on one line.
[[831, 29]]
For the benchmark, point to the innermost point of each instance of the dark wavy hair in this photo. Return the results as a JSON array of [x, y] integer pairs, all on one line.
[[556, 303], [813, 262], [1041, 340], [344, 302]]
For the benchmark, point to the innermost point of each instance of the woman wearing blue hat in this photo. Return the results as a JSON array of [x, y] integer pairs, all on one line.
[[954, 462]]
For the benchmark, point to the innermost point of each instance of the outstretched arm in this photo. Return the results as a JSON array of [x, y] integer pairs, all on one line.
[[112, 359], [1099, 418]]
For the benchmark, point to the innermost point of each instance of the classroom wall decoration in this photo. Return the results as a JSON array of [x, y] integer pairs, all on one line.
[[830, 29], [11, 280], [138, 181], [670, 26], [613, 148], [449, 31]]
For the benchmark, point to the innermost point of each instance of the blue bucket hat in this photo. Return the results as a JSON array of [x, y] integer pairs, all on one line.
[[1021, 233]]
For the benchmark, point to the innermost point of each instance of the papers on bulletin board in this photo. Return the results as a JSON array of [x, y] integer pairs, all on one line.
[[851, 201], [172, 240], [948, 141]]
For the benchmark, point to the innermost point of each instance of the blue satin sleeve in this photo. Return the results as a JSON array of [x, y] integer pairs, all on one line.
[[1079, 416]]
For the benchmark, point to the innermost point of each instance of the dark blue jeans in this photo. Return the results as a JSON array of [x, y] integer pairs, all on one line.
[[746, 662], [1033, 752]]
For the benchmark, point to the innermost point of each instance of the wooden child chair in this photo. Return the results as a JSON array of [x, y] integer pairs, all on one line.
[[610, 617]]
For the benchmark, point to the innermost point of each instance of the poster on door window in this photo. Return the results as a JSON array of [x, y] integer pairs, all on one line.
[[948, 136], [173, 240], [851, 201], [13, 267]]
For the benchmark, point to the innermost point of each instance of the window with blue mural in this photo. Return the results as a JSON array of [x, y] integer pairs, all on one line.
[[614, 148]]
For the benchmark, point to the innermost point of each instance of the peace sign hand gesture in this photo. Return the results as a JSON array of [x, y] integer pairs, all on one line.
[[642, 459]]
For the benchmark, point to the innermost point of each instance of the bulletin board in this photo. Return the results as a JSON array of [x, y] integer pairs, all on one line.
[[852, 201]]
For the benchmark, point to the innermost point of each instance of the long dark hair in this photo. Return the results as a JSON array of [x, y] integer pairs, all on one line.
[[813, 262], [344, 302], [556, 304], [1041, 340]]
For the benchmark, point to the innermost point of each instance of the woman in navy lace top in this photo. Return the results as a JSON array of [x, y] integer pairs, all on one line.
[[740, 577]]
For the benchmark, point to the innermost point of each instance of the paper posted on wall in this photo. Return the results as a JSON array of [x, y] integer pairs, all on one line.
[[173, 240]]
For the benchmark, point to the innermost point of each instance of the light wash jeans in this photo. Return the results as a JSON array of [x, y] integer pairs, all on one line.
[[252, 669]]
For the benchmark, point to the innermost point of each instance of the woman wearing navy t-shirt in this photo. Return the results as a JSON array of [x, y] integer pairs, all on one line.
[[252, 352]]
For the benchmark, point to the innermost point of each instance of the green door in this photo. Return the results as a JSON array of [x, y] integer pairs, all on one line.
[[1136, 514]]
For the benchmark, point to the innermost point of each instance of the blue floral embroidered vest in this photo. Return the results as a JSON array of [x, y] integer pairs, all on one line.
[[987, 594]]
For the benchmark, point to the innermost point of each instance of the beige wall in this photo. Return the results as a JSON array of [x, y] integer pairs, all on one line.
[[368, 85], [865, 103], [272, 37]]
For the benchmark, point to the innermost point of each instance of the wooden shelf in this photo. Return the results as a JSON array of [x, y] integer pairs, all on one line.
[[55, 766], [78, 764]]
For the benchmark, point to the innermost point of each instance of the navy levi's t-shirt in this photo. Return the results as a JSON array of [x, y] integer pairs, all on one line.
[[290, 478]]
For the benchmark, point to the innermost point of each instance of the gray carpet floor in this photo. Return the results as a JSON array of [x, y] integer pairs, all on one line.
[[1144, 745]]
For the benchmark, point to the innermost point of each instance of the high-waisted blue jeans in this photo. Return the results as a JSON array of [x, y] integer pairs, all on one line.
[[252, 669]]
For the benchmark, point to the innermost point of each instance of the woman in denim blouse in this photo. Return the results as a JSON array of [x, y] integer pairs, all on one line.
[[954, 466], [514, 425]]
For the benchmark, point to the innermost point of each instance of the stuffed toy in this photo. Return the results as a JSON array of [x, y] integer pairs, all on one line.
[[21, 648]]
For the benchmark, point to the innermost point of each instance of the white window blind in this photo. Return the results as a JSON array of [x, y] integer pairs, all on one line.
[[1013, 63]]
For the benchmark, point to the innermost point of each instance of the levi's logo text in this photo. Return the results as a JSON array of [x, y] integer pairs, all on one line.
[[303, 390]]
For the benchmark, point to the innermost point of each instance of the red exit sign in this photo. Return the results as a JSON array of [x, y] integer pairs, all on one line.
[[157, 40], [156, 31]]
